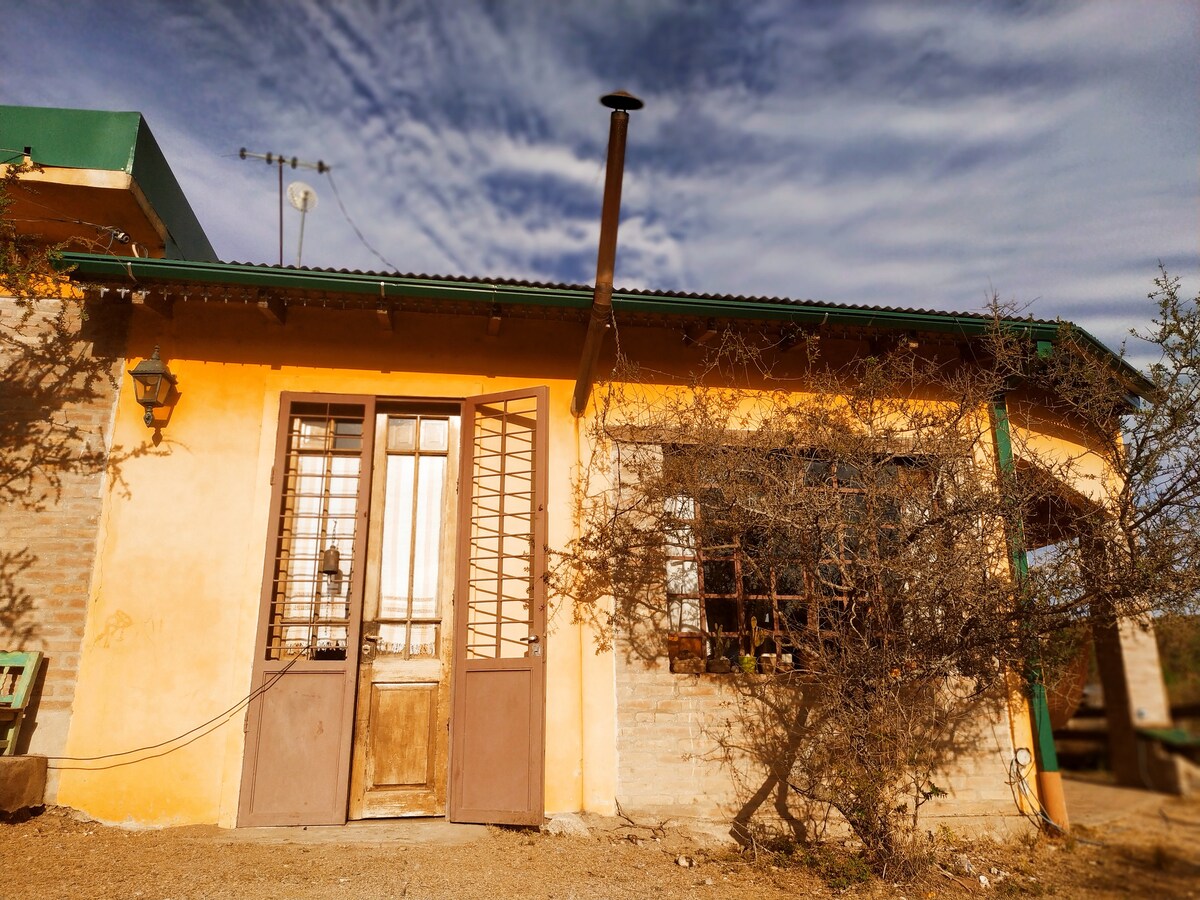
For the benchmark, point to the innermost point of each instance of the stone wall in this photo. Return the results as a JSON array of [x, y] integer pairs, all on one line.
[[59, 364]]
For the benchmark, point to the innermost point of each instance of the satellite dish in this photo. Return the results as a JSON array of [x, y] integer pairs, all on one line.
[[302, 196]]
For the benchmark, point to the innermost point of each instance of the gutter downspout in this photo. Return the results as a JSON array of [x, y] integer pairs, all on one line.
[[610, 213], [1049, 778]]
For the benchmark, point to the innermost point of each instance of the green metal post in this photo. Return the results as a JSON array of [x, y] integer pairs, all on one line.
[[1047, 757]]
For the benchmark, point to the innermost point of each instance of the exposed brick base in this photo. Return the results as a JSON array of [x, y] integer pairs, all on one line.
[[679, 756]]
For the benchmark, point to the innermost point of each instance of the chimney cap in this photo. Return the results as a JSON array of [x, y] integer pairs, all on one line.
[[621, 100]]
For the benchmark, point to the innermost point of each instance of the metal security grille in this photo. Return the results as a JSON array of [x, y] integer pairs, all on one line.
[[310, 609], [501, 514], [786, 579]]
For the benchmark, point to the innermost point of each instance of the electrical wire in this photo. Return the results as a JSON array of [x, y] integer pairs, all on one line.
[[342, 206], [1019, 782], [219, 719], [114, 234]]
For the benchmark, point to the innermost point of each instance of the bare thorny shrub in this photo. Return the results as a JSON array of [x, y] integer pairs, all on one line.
[[50, 366], [854, 518], [1136, 547]]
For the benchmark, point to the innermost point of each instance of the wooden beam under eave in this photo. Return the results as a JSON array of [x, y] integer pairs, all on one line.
[[795, 335], [274, 309], [699, 335], [789, 338], [155, 301], [386, 317]]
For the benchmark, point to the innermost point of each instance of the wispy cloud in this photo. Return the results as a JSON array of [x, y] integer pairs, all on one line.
[[908, 154]]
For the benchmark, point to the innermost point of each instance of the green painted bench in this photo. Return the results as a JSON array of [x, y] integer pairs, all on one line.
[[18, 671], [1175, 740]]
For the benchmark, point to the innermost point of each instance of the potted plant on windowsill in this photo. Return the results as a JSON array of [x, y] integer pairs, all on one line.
[[685, 645], [718, 663], [748, 663], [687, 664]]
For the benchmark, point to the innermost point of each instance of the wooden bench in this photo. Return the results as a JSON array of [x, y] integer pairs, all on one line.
[[18, 671]]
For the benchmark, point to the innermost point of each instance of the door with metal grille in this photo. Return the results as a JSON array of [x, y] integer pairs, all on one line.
[[298, 726], [498, 724]]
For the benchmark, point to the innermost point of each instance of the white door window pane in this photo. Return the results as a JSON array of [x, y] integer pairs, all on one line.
[[423, 640], [435, 435], [401, 433], [397, 538], [416, 478], [392, 639], [427, 539]]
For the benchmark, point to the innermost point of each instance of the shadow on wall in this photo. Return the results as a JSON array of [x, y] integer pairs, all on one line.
[[58, 358], [17, 614], [60, 364]]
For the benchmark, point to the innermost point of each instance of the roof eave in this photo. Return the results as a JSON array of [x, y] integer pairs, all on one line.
[[384, 286]]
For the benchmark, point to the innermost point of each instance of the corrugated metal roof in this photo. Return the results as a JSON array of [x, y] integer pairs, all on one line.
[[741, 299]]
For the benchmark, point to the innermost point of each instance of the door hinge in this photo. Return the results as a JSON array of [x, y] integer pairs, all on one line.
[[272, 476]]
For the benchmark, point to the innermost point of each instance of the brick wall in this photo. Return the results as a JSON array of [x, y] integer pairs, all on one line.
[[670, 728], [681, 752], [58, 364]]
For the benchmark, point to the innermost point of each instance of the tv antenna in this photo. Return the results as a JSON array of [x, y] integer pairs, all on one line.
[[278, 159], [303, 198]]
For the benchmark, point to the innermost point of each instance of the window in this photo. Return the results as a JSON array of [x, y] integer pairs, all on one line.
[[775, 548]]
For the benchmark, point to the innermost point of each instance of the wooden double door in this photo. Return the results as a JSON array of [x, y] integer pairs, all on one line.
[[400, 664]]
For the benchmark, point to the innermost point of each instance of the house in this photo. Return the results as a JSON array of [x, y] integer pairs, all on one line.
[[312, 590]]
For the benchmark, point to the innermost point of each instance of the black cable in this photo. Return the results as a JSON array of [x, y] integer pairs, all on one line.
[[245, 701], [342, 206]]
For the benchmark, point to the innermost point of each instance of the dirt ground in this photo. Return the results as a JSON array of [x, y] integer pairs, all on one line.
[[1147, 848]]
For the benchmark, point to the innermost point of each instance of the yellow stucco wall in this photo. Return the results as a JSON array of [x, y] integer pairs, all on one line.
[[173, 609]]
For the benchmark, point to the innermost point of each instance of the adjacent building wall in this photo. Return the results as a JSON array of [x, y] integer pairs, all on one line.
[[59, 364]]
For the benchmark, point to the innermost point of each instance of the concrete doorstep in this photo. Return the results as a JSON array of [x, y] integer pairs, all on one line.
[[389, 831]]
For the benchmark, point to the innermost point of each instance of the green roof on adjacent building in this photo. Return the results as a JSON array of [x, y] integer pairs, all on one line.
[[107, 141]]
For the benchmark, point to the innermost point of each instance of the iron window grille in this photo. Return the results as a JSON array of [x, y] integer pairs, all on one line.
[[736, 564]]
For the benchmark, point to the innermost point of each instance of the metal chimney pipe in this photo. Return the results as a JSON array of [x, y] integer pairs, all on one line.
[[620, 103]]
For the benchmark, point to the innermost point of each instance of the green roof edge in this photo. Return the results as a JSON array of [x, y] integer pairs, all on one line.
[[71, 138]]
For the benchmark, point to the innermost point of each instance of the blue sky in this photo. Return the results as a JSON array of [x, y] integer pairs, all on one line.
[[907, 154]]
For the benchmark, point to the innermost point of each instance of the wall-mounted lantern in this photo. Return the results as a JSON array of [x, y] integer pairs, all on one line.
[[152, 384]]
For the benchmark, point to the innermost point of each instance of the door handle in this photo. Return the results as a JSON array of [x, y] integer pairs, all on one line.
[[534, 642], [370, 643]]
